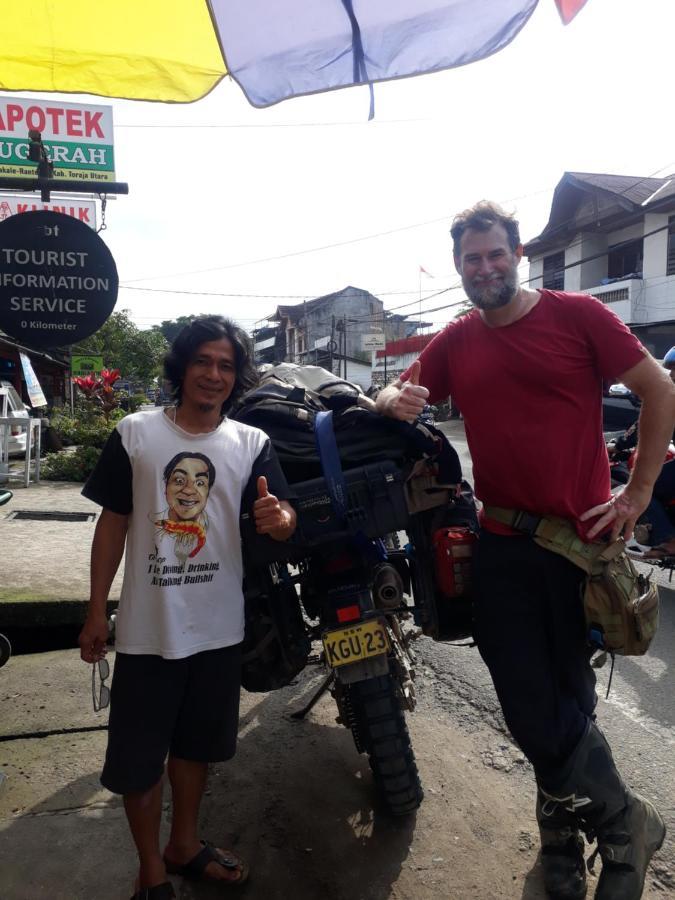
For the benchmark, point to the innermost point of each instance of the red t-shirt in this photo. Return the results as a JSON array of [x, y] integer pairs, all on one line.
[[531, 397]]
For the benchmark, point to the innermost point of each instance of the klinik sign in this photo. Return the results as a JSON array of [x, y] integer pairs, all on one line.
[[78, 138], [58, 280]]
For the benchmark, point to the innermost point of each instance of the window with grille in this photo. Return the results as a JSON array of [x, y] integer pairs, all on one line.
[[670, 269], [554, 271]]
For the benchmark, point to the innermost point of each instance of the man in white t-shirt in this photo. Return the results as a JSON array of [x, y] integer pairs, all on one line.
[[172, 483]]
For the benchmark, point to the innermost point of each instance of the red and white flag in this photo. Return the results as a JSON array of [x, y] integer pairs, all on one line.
[[423, 271]]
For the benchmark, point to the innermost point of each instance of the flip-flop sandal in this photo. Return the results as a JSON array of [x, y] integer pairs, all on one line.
[[163, 891], [195, 869]]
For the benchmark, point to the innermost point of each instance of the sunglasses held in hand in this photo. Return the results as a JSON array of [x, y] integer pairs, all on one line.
[[100, 692]]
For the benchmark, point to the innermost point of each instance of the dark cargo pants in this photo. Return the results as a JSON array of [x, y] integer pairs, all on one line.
[[529, 627]]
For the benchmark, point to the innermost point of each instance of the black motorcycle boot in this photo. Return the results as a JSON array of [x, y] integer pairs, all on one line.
[[628, 829], [562, 851], [626, 844]]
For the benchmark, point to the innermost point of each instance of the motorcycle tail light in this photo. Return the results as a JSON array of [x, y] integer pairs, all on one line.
[[349, 613], [339, 564]]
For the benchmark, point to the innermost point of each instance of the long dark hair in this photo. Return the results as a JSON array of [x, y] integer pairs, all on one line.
[[198, 332]]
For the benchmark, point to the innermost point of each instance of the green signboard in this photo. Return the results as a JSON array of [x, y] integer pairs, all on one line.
[[86, 365], [78, 138]]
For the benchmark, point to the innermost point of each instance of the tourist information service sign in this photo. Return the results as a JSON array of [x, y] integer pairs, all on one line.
[[78, 138], [58, 280]]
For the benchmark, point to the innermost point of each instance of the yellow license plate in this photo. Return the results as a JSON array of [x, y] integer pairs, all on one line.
[[352, 644]]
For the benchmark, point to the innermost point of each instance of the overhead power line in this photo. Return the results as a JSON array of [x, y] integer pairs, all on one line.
[[250, 296], [366, 237]]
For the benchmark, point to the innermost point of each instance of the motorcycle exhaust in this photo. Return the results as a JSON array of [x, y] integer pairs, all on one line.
[[387, 588]]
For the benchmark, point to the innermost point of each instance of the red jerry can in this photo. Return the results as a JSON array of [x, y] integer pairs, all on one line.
[[453, 548]]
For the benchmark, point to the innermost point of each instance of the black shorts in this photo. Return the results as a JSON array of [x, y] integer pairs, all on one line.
[[188, 708]]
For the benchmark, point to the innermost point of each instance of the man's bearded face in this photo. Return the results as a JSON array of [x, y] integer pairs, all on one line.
[[489, 268]]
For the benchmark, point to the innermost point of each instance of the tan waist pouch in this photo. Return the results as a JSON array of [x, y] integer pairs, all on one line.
[[621, 605]]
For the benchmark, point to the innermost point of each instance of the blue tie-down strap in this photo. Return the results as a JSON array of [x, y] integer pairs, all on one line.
[[331, 465]]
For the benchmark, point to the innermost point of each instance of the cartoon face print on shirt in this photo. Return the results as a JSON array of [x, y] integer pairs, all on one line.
[[188, 478], [187, 488]]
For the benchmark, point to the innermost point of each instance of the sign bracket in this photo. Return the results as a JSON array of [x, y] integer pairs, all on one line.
[[67, 185]]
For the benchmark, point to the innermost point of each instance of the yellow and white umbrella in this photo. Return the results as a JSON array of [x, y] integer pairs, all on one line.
[[178, 50]]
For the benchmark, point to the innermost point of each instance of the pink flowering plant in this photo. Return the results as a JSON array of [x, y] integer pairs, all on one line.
[[97, 409], [98, 391]]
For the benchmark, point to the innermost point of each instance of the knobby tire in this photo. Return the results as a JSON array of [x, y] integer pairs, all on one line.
[[379, 729]]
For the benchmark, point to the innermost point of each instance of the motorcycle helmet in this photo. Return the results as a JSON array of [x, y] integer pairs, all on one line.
[[669, 359]]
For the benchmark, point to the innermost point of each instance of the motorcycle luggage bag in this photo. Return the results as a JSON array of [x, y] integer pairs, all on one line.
[[286, 403], [376, 506], [276, 644]]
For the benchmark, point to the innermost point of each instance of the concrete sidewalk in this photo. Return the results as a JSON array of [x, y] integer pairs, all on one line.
[[45, 572]]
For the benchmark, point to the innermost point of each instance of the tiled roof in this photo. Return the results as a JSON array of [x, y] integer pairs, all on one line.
[[295, 311], [633, 188], [626, 197]]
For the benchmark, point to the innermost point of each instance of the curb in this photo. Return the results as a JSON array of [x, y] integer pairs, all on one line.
[[45, 613]]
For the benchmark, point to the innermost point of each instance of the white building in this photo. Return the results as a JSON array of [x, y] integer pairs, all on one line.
[[613, 236]]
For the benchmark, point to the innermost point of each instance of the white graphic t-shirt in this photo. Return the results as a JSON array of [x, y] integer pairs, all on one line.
[[183, 493]]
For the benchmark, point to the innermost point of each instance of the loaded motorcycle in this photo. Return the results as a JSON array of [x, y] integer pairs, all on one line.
[[345, 580]]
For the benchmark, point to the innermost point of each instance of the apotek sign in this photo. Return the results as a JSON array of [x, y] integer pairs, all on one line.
[[12, 205], [78, 138], [58, 280]]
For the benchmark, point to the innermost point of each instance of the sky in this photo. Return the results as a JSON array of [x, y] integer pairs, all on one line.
[[235, 210]]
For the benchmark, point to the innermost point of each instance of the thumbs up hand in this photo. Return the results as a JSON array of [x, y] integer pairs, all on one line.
[[411, 398], [262, 488], [271, 515]]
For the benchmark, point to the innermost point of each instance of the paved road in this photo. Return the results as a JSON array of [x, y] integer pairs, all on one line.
[[638, 716]]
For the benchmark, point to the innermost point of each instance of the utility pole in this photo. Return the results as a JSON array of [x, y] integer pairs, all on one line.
[[344, 332]]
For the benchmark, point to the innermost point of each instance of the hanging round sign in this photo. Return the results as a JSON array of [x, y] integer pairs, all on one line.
[[58, 280]]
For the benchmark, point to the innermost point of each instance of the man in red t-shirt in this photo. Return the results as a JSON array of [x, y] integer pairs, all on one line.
[[526, 369]]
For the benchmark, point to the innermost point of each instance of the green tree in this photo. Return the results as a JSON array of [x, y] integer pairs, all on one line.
[[170, 328], [136, 353]]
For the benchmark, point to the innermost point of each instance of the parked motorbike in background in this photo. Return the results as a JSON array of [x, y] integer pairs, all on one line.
[[659, 516]]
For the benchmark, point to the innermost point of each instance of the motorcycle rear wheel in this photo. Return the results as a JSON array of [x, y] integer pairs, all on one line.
[[379, 729]]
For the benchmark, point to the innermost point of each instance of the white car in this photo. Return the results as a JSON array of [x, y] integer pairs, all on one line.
[[12, 405]]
